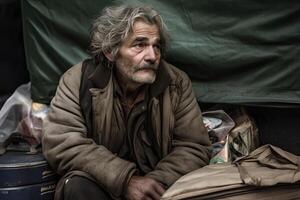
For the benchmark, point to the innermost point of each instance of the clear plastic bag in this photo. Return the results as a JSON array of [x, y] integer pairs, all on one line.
[[218, 124], [232, 136], [21, 118]]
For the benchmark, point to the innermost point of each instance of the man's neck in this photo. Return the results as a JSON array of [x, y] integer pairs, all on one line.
[[129, 90]]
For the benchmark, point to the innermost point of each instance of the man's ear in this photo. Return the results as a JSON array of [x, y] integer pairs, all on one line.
[[109, 56]]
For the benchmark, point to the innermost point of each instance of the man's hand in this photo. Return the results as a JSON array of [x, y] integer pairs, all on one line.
[[144, 188]]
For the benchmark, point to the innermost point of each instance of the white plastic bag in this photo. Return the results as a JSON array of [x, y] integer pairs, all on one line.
[[20, 116]]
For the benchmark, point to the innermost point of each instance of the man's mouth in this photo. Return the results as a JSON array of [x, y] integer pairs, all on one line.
[[148, 68]]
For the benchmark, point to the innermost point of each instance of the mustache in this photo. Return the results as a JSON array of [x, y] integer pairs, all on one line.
[[147, 66]]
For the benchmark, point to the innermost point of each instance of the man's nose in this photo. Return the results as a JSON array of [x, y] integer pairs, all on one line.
[[151, 55]]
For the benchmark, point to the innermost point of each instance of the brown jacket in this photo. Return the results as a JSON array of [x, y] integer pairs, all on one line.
[[179, 136]]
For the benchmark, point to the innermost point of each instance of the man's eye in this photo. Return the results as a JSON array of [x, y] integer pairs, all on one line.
[[157, 47], [139, 45]]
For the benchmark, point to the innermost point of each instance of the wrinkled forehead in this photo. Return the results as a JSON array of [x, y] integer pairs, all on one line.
[[144, 31]]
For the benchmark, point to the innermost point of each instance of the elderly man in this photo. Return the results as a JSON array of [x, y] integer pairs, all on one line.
[[124, 124]]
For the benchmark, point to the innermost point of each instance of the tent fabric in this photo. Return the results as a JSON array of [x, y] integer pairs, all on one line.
[[234, 51]]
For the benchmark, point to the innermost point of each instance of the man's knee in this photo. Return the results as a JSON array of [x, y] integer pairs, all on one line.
[[78, 188], [74, 187]]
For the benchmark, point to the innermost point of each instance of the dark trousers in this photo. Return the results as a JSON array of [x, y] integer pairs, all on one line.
[[80, 188]]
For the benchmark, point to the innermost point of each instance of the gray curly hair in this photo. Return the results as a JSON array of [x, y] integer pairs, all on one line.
[[114, 25]]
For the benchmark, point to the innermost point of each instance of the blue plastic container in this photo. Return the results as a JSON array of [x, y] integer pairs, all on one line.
[[26, 177]]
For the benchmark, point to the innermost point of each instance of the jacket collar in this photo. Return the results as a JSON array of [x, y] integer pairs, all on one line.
[[162, 80], [101, 76]]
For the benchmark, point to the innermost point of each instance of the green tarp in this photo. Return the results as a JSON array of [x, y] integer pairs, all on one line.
[[235, 51]]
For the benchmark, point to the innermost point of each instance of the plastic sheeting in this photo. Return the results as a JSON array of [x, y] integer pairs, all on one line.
[[234, 51]]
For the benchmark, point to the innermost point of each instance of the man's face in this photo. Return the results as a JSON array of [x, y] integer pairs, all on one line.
[[139, 54]]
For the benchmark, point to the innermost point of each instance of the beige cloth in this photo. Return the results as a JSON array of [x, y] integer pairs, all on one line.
[[266, 166]]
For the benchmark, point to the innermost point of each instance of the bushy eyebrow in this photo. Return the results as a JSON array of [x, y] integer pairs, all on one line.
[[144, 39], [140, 39]]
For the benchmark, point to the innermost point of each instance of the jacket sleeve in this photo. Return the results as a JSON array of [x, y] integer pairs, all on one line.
[[66, 146], [190, 142]]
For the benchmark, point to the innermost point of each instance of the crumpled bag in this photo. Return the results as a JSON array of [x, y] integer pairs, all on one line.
[[232, 136], [275, 166], [21, 119], [266, 166], [218, 124], [243, 138]]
